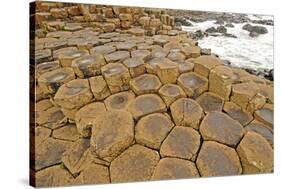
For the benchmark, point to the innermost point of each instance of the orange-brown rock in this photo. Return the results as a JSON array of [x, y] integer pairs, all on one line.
[[167, 72], [265, 115], [146, 83], [119, 101], [210, 102], [66, 132], [204, 64], [99, 87], [67, 57], [170, 93], [136, 66]]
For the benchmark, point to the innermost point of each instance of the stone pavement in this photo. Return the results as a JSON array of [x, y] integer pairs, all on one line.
[[123, 95]]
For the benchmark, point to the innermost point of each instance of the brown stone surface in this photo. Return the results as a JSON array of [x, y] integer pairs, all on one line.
[[146, 104], [204, 64], [210, 102], [107, 139], [117, 56], [99, 87], [182, 142], [265, 115], [66, 132], [216, 159], [170, 93], [144, 84], [174, 168], [220, 127], [193, 84], [152, 129], [67, 57], [137, 163], [136, 66], [186, 112], [41, 134], [119, 101], [167, 72], [255, 153]]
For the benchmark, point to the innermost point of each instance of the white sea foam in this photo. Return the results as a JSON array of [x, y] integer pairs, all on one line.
[[244, 51]]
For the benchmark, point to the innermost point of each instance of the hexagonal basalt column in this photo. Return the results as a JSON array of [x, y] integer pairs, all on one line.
[[49, 82], [146, 83], [210, 102], [108, 140], [99, 87], [193, 84], [119, 101], [219, 127], [135, 65], [255, 153], [204, 64], [89, 65], [103, 49], [215, 159], [186, 112], [67, 57], [182, 142], [117, 77], [170, 93], [167, 72], [152, 129], [265, 115], [146, 104], [142, 54], [137, 163], [46, 67], [117, 56]]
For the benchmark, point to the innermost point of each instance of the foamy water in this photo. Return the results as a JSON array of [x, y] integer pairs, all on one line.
[[244, 51]]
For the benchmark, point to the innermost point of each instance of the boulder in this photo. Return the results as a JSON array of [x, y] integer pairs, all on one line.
[[210, 102], [170, 93], [186, 112], [221, 29], [99, 87], [146, 83], [136, 66], [137, 163], [211, 30], [256, 29], [152, 129], [119, 101], [215, 159]]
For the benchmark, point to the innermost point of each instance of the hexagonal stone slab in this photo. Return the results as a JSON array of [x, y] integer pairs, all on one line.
[[86, 116], [74, 94], [185, 66], [135, 65], [43, 55], [40, 135], [220, 127], [193, 84], [117, 77], [265, 115], [127, 46], [186, 112], [237, 113], [137, 163], [215, 159], [109, 139], [102, 49], [174, 168], [119, 101], [204, 64], [46, 67], [167, 72], [144, 84], [67, 57], [146, 104], [141, 54], [89, 65], [49, 82], [257, 102], [182, 142], [152, 129], [67, 132], [56, 53], [210, 102], [99, 87], [55, 44], [117, 56], [255, 153], [170, 93], [151, 64]]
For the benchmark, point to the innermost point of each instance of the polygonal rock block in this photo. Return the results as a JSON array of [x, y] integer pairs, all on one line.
[[174, 168], [117, 77], [102, 49], [167, 72], [72, 27], [53, 177], [56, 53], [108, 140], [160, 40], [219, 127], [49, 82], [237, 113], [46, 67], [182, 142], [56, 44], [220, 81], [186, 112], [210, 102], [152, 129], [74, 94], [146, 83], [144, 21], [158, 52], [185, 66], [67, 132], [137, 163], [136, 31], [49, 152], [59, 34], [193, 84], [204, 64], [40, 135], [67, 57], [265, 115], [147, 104], [136, 66], [119, 101], [257, 102], [215, 159], [176, 55], [261, 129], [170, 93], [89, 65], [242, 93], [59, 12], [86, 116], [126, 46], [43, 55], [141, 53], [108, 27], [99, 87], [255, 154], [48, 115], [125, 17]]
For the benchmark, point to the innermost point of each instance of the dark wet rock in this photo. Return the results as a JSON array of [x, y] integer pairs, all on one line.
[[229, 25], [205, 51], [211, 30], [219, 21], [183, 21], [229, 35], [221, 29], [256, 29]]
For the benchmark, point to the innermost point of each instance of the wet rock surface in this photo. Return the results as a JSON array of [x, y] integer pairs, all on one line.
[[123, 95]]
